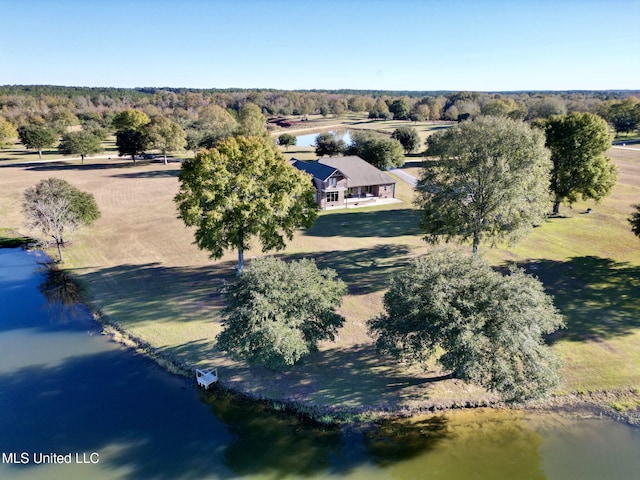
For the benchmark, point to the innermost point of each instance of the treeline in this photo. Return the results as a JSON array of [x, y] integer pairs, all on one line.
[[206, 114]]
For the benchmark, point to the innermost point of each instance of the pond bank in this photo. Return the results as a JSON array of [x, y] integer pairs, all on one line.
[[619, 405], [604, 403]]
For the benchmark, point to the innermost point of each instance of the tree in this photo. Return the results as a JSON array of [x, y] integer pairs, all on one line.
[[328, 144], [130, 119], [80, 143], [380, 110], [276, 312], [35, 137], [252, 121], [214, 123], [400, 109], [491, 181], [57, 209], [580, 168], [634, 220], [287, 140], [242, 188], [380, 151], [131, 142], [483, 327], [165, 135], [7, 133], [408, 138], [623, 115]]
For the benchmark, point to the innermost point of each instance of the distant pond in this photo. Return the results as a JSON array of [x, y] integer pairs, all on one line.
[[309, 140], [74, 405]]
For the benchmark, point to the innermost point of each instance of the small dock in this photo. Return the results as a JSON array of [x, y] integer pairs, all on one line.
[[206, 377]]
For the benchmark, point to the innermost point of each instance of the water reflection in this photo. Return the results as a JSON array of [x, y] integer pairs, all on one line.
[[63, 296], [274, 443], [309, 140]]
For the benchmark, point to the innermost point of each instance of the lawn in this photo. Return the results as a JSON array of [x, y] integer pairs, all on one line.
[[143, 271]]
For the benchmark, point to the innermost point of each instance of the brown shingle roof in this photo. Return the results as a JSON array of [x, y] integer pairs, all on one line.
[[359, 172]]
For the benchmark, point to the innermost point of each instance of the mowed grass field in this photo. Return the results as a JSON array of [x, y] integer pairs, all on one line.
[[142, 270]]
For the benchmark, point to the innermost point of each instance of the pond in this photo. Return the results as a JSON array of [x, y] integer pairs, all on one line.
[[309, 140], [75, 405]]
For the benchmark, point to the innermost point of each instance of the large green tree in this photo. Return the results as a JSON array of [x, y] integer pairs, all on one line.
[[328, 144], [623, 115], [379, 150], [634, 220], [276, 312], [35, 137], [57, 209], [80, 143], [580, 168], [165, 135], [240, 189], [7, 133], [400, 109], [251, 120], [131, 142], [482, 326], [130, 119], [408, 138], [491, 181], [287, 140]]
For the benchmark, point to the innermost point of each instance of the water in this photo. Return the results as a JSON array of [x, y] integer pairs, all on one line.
[[309, 140], [65, 389]]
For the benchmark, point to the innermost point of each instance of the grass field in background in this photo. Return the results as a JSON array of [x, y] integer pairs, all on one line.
[[142, 270]]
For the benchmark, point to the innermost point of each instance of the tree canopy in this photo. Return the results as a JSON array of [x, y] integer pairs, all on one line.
[[634, 220], [408, 138], [130, 119], [36, 137], [252, 121], [165, 135], [328, 144], [491, 181], [131, 142], [276, 312], [379, 150], [580, 168], [80, 143], [244, 188], [484, 327], [287, 140], [56, 208], [7, 133]]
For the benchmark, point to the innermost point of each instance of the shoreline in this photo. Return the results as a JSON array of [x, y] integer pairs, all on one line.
[[590, 403], [599, 403]]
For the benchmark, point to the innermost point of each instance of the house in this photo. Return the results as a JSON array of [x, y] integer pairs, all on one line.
[[344, 181]]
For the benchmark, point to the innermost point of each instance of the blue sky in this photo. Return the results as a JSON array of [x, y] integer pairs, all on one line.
[[355, 44]]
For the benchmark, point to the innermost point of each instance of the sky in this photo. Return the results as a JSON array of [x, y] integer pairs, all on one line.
[[330, 44]]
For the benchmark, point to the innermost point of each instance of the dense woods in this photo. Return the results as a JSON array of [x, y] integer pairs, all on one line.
[[200, 111]]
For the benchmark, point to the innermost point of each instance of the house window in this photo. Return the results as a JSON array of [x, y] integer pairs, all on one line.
[[332, 197], [368, 189], [333, 181]]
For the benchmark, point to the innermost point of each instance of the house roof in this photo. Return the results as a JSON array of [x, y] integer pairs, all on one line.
[[358, 172], [317, 169]]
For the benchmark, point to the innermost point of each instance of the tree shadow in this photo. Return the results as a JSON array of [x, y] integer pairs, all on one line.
[[139, 292], [364, 270], [362, 224], [153, 174], [598, 296]]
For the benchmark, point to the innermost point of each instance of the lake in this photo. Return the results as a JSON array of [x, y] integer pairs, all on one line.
[[309, 140], [68, 393]]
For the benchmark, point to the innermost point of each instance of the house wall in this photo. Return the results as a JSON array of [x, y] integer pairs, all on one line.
[[384, 191]]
